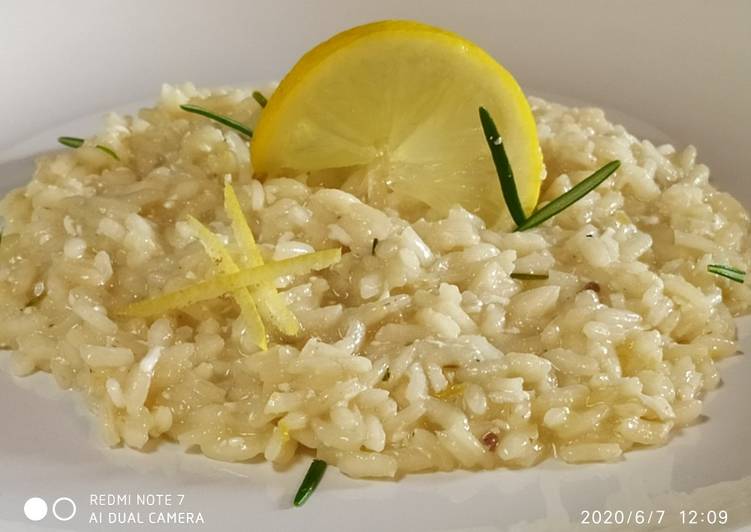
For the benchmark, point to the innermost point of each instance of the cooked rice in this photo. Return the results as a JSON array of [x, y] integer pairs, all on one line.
[[419, 352]]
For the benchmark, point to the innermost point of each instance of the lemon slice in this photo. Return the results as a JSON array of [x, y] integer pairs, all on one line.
[[403, 97]]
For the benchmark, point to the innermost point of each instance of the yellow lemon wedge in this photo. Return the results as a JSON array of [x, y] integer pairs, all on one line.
[[402, 97]]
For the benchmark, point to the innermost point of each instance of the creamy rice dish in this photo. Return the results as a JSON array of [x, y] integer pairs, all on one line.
[[418, 350]]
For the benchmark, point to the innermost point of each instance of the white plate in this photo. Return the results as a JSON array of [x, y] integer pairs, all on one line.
[[670, 70]]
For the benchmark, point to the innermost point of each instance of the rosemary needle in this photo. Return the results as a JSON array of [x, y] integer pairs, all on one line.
[[569, 198], [310, 482], [260, 98], [75, 142], [733, 274], [502, 167], [225, 120], [71, 142], [530, 276]]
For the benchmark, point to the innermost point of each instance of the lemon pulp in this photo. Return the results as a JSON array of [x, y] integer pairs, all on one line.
[[403, 97]]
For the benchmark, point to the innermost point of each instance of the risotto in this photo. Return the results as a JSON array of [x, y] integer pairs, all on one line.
[[419, 349]]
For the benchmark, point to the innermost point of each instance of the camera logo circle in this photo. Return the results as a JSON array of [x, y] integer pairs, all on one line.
[[35, 509], [58, 509]]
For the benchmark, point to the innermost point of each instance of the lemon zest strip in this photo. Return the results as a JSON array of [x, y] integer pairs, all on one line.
[[221, 256], [224, 283], [269, 302]]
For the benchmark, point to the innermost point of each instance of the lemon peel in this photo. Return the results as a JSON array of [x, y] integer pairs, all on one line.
[[270, 304], [224, 283]]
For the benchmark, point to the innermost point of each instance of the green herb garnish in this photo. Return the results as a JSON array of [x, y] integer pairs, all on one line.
[[373, 247], [530, 276], [71, 142], [733, 274], [75, 142], [569, 198], [502, 167], [260, 98], [108, 151], [227, 121], [310, 482], [508, 185]]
